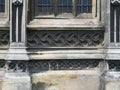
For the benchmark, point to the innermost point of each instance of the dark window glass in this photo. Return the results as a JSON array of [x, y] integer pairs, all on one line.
[[64, 6], [84, 6], [45, 6], [2, 5], [56, 7]]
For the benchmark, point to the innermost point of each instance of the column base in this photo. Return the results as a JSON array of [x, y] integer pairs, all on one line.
[[112, 54], [17, 51], [16, 81], [112, 80]]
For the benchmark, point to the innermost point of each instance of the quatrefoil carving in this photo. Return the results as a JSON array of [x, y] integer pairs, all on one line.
[[115, 2], [17, 2]]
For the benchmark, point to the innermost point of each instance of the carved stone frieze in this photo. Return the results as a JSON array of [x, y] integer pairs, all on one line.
[[58, 38], [46, 65], [4, 38], [65, 38]]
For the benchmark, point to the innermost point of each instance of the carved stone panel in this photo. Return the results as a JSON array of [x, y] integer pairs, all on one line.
[[74, 38], [58, 38]]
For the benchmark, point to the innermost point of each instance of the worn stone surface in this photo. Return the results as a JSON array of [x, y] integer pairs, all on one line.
[[1, 77], [66, 80], [112, 81], [115, 85], [16, 81]]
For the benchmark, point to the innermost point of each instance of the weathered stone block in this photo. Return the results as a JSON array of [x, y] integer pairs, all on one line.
[[66, 80], [112, 80], [16, 81], [2, 72]]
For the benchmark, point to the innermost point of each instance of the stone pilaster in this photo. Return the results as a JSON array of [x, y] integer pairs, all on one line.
[[112, 49], [17, 50], [113, 30], [17, 75]]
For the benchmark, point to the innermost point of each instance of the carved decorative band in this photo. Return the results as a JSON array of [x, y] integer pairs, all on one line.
[[14, 66], [114, 65], [38, 66], [58, 38], [115, 21], [4, 38], [65, 38], [45, 65]]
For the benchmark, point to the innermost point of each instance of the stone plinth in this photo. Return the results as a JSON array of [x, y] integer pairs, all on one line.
[[1, 78], [66, 80], [112, 81], [16, 81], [17, 51]]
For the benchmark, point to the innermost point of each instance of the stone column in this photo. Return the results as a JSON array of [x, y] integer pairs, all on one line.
[[17, 76], [113, 30]]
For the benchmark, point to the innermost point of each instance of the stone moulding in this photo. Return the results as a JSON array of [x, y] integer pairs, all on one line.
[[79, 43]]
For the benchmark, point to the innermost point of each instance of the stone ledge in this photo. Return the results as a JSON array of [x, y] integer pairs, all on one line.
[[36, 54], [67, 54]]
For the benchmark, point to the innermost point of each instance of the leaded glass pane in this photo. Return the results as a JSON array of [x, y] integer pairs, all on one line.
[[2, 5], [45, 6], [64, 6], [84, 6], [58, 7]]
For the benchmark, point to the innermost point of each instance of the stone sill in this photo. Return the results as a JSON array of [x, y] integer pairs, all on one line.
[[66, 24], [4, 24]]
